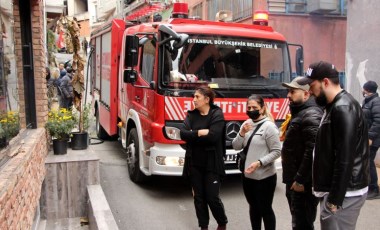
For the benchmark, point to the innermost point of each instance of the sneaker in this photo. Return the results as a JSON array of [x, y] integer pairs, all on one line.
[[373, 195]]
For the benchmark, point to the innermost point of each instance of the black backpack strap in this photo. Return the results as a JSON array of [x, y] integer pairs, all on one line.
[[250, 138]]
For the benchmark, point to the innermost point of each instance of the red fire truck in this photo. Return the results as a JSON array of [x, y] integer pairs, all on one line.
[[143, 77]]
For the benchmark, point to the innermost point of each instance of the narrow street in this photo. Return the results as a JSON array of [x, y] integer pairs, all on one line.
[[165, 203]]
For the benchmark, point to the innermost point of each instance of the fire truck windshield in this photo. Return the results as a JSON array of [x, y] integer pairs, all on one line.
[[225, 63]]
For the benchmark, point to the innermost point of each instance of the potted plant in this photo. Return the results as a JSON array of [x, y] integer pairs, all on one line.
[[72, 33], [3, 139], [9, 127], [59, 126], [80, 139]]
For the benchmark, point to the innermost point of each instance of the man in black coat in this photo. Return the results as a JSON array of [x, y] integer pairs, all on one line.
[[297, 155], [371, 109], [341, 152]]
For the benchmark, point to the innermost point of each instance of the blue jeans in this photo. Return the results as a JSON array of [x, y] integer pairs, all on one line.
[[373, 185]]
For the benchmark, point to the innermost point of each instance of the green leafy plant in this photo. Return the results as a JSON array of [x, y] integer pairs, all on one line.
[[88, 117], [51, 46], [60, 123]]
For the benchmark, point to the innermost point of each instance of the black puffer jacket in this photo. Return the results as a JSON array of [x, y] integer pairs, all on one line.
[[371, 109], [297, 149], [341, 157]]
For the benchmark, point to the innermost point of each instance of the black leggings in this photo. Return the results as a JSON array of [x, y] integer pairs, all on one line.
[[206, 186], [259, 194]]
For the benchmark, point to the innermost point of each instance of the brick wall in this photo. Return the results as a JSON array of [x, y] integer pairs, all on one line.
[[21, 180], [39, 61], [22, 176]]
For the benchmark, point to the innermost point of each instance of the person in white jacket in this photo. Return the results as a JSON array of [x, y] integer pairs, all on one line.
[[260, 178]]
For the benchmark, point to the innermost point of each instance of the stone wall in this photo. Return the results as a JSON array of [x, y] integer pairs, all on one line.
[[21, 180]]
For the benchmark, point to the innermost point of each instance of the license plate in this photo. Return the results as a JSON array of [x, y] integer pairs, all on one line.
[[231, 158]]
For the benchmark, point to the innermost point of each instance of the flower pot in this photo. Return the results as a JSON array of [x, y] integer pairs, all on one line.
[[59, 146], [3, 142], [79, 140]]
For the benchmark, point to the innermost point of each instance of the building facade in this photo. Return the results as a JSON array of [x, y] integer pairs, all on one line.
[[22, 168], [318, 25]]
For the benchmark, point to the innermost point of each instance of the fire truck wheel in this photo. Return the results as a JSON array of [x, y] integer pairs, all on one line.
[[133, 158], [100, 132]]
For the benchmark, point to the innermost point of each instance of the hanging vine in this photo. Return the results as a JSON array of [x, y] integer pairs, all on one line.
[[71, 31], [51, 46]]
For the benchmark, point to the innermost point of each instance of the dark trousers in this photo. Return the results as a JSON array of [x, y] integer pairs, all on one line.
[[303, 207], [259, 194], [373, 185], [66, 102], [206, 186]]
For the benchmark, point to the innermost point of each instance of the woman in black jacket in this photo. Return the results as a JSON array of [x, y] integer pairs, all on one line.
[[203, 132]]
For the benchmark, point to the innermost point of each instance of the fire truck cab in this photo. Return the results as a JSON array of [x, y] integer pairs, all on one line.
[[143, 77]]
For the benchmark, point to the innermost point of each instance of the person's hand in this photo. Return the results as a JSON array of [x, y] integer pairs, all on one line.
[[252, 167], [297, 187], [202, 132], [332, 207], [246, 128], [369, 142]]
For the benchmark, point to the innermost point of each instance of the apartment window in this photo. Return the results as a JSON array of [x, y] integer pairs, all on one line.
[[321, 7], [9, 102], [241, 9], [197, 11]]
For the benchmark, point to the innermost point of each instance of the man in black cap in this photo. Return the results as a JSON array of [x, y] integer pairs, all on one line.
[[297, 155], [341, 152], [371, 109]]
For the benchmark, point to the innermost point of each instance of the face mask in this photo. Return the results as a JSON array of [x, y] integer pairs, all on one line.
[[253, 114], [321, 100]]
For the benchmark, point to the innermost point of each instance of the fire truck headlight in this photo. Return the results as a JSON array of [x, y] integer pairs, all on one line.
[[173, 133], [170, 161]]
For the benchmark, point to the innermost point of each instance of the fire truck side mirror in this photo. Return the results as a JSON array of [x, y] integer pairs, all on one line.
[[130, 76], [131, 51], [179, 39]]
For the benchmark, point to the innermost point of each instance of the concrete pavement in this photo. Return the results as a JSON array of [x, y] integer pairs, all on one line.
[[166, 203]]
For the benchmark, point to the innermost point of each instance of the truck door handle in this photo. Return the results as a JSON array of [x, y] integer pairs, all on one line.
[[137, 98], [122, 89]]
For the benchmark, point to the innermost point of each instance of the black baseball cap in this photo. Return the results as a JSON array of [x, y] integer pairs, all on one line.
[[318, 71]]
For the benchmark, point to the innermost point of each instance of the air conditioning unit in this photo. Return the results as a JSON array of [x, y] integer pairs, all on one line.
[[296, 6], [322, 6]]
